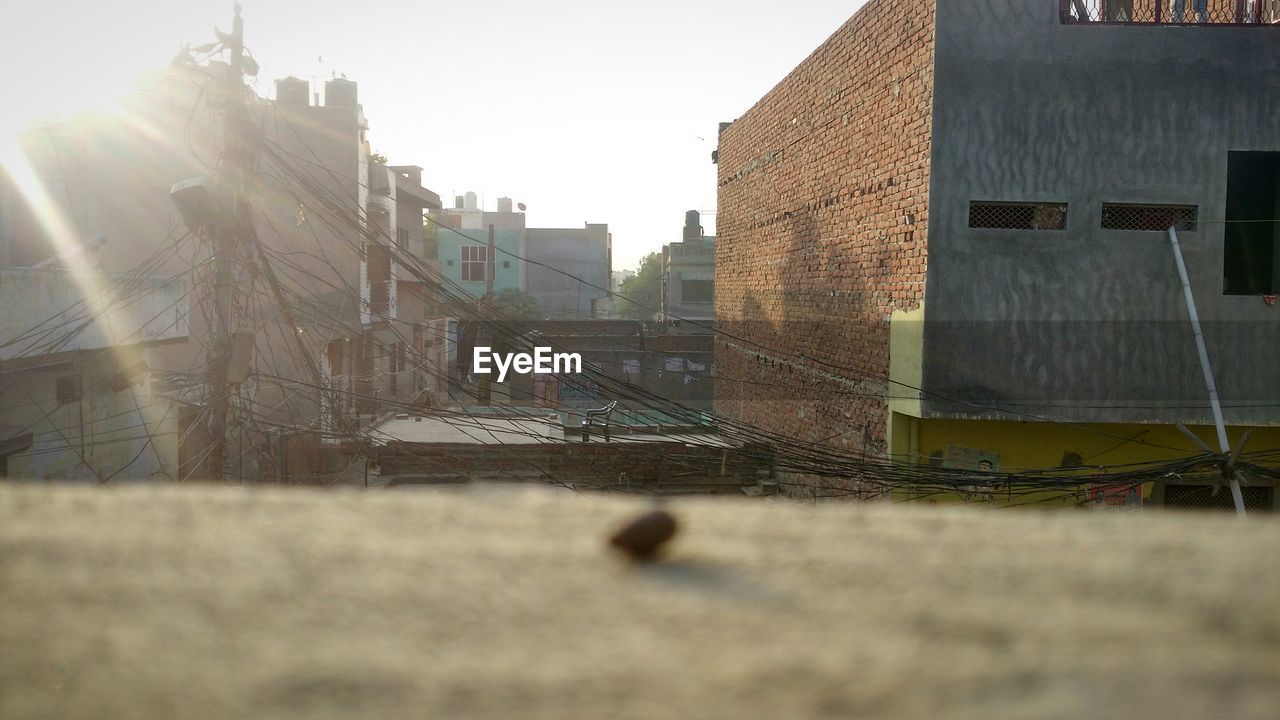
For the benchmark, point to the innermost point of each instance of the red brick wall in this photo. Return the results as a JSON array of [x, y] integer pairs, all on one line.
[[642, 467], [814, 250]]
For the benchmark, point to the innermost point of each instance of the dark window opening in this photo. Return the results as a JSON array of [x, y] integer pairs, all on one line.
[[1153, 218], [69, 389], [697, 290], [1018, 216], [335, 352], [1251, 237], [1203, 497], [378, 274]]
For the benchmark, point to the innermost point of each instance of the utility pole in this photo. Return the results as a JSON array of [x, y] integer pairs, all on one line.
[[232, 183], [489, 268]]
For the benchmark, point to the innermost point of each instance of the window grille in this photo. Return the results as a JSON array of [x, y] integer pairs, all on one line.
[[1018, 216], [1155, 218], [1201, 497]]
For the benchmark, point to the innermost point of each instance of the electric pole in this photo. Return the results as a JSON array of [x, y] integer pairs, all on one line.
[[489, 268], [230, 234]]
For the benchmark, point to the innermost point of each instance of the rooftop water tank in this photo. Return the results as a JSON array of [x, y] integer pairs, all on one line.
[[293, 92], [340, 92]]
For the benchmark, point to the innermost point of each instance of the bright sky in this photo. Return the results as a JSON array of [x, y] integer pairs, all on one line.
[[585, 110]]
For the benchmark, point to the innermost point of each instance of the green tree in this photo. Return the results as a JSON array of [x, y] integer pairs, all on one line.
[[642, 294], [517, 304]]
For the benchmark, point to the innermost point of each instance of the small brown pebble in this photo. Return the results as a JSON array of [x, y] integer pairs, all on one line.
[[641, 538]]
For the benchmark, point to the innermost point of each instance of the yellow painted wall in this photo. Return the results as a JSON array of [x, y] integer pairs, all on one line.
[[1039, 445]]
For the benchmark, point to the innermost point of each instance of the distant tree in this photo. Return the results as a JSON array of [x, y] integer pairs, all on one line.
[[642, 293], [517, 304]]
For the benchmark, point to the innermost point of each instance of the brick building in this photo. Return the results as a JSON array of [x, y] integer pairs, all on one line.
[[1011, 167]]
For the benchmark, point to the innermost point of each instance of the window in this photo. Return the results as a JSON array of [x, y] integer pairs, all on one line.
[[1204, 497], [1018, 216], [1251, 236], [697, 290], [69, 389], [334, 355], [402, 238], [397, 357], [475, 258], [378, 273], [1154, 218]]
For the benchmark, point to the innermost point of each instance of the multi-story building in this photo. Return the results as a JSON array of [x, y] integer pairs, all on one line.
[[463, 246], [570, 269], [944, 234], [332, 325], [77, 400], [566, 270], [688, 278]]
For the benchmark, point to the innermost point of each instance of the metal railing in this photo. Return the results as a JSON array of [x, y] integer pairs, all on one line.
[[1171, 12]]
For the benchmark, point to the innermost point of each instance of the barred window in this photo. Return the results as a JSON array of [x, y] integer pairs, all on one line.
[[1155, 218], [1259, 498], [1017, 216]]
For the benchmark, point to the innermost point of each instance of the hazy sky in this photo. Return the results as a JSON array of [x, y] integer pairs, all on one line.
[[585, 110]]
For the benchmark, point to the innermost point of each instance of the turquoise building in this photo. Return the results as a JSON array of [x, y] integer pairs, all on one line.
[[464, 257]]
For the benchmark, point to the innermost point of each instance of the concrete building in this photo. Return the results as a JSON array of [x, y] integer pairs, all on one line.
[[570, 269], [462, 246], [567, 270], [336, 312], [77, 399], [948, 227], [688, 278]]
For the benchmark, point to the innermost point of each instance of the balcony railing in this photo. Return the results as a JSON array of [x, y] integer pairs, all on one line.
[[1171, 12]]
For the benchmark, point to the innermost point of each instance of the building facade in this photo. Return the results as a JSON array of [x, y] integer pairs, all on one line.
[[566, 270], [463, 247], [77, 398], [320, 287], [944, 236], [570, 269], [688, 278]]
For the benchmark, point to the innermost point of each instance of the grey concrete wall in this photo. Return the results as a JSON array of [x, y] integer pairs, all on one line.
[[1089, 324], [572, 262], [688, 260]]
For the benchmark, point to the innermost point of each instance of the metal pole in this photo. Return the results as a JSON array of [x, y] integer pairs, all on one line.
[[490, 267], [1205, 368]]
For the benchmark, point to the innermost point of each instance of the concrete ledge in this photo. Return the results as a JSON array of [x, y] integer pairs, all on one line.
[[214, 602]]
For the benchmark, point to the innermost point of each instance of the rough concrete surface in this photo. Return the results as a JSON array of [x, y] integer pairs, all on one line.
[[208, 602]]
